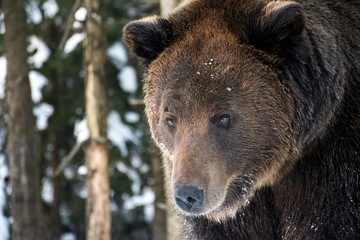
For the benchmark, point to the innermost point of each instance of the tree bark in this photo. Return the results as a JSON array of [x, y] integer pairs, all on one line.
[[98, 202], [158, 224], [22, 138]]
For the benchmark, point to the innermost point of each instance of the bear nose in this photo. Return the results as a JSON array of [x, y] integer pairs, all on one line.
[[189, 198]]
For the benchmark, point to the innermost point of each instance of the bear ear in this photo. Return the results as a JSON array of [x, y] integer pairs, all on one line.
[[280, 22], [148, 37]]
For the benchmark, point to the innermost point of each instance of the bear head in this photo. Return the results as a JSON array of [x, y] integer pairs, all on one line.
[[217, 101]]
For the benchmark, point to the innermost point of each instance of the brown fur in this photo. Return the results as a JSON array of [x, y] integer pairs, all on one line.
[[246, 100]]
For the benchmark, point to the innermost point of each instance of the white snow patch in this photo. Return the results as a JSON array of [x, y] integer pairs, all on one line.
[[96, 17], [119, 133], [4, 222], [2, 25], [81, 130], [82, 170], [77, 24], [145, 199], [80, 14], [73, 41], [33, 12], [3, 64], [132, 174], [127, 78], [82, 193], [132, 117], [117, 54], [42, 51], [136, 161], [68, 236], [50, 8], [42, 113], [144, 168], [69, 173], [47, 191], [37, 82]]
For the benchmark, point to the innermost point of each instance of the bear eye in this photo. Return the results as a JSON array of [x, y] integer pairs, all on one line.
[[170, 121], [224, 121]]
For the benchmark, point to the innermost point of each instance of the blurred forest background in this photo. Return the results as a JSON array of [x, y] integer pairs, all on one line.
[[48, 191]]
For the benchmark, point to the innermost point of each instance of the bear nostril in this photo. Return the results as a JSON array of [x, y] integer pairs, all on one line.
[[189, 198]]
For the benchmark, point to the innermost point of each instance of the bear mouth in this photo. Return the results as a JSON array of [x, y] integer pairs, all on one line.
[[238, 195]]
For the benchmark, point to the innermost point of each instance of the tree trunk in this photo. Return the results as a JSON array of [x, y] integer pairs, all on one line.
[[173, 226], [98, 202], [158, 224], [22, 144]]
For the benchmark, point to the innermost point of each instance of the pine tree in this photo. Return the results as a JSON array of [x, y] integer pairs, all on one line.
[[22, 138], [98, 202]]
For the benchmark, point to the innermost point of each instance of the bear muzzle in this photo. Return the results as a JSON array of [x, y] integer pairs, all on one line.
[[189, 198]]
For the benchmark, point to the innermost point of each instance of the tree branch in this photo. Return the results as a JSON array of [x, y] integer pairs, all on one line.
[[67, 159], [68, 25]]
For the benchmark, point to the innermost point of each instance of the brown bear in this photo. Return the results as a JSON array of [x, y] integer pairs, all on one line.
[[256, 108]]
